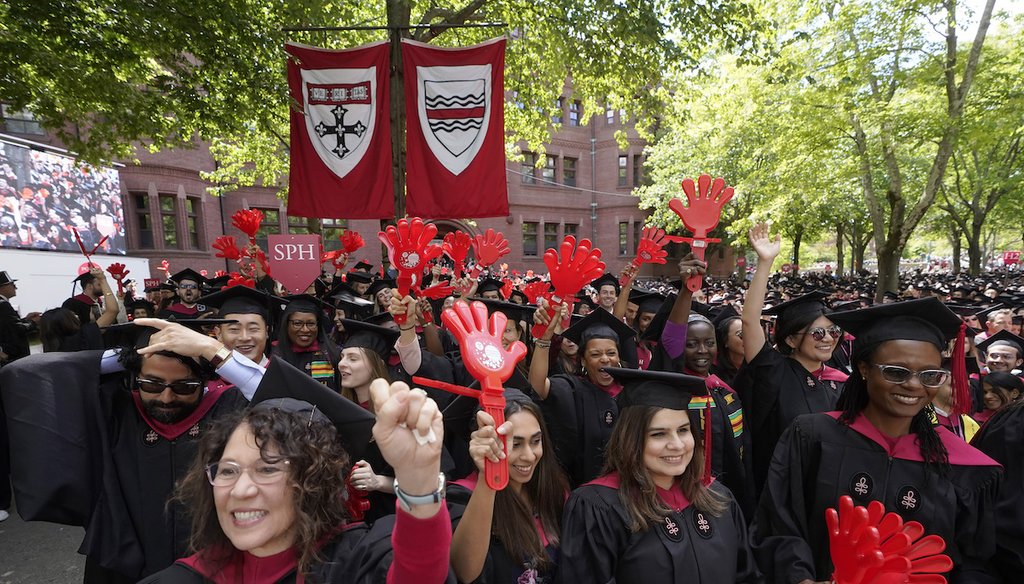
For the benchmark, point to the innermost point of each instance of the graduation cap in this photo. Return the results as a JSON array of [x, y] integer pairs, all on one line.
[[378, 285], [354, 305], [245, 300], [665, 389], [606, 280], [585, 299], [306, 303], [381, 318], [489, 284], [131, 335], [646, 300], [517, 293], [512, 310], [599, 324], [141, 304], [188, 274], [809, 302], [1005, 338], [357, 276], [727, 312], [283, 384], [379, 339], [925, 319], [363, 265], [215, 284]]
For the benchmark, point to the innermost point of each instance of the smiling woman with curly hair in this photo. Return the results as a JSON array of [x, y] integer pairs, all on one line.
[[268, 499]]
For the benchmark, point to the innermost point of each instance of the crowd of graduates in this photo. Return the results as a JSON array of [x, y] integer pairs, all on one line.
[[650, 432]]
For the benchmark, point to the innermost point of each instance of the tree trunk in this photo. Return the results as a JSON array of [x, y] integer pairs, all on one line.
[[888, 274], [840, 259], [796, 250], [957, 246]]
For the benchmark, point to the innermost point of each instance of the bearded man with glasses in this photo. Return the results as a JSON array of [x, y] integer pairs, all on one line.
[[100, 440]]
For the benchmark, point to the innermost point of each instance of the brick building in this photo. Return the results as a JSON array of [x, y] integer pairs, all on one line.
[[581, 186]]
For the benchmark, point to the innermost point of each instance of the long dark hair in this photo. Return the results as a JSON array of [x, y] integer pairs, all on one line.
[[317, 465], [513, 523], [855, 398], [723, 363], [638, 493], [792, 322], [55, 325]]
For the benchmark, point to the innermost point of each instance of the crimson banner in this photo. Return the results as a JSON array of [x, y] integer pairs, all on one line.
[[340, 133], [455, 130], [294, 260]]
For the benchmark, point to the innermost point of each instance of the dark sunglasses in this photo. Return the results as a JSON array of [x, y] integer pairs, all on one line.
[[178, 387], [818, 333]]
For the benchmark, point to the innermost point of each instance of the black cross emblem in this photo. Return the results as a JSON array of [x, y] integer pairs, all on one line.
[[340, 130]]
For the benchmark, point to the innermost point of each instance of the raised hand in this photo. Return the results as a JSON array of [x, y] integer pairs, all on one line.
[[767, 248], [704, 204], [409, 433], [489, 247], [486, 443], [456, 246]]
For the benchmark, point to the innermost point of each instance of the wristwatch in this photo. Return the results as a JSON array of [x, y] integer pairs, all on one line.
[[222, 355], [408, 501]]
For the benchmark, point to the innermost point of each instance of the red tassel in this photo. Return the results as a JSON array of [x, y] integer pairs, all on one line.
[[706, 479], [961, 385]]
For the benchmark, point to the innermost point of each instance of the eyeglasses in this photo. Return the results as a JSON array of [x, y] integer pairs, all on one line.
[[178, 387], [818, 333], [299, 325], [225, 474], [928, 377], [187, 287]]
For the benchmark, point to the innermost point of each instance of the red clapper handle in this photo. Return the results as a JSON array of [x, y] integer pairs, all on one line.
[[409, 250], [488, 362], [853, 543], [456, 246], [650, 249], [569, 271], [704, 209]]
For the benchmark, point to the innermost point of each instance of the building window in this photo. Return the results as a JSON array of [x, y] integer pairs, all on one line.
[[298, 225], [529, 238], [569, 171], [192, 221], [623, 170], [547, 172], [169, 220], [331, 230], [571, 229], [609, 115], [271, 226], [145, 219], [638, 169], [21, 122], [574, 112], [550, 236], [623, 238], [529, 169], [559, 108]]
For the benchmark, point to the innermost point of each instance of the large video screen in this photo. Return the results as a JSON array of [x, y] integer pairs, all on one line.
[[43, 196]]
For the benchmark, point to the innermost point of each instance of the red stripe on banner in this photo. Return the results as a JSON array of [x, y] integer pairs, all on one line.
[[455, 113]]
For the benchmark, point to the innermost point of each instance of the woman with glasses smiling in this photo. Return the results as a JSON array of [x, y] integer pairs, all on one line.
[[881, 446], [302, 339], [779, 383]]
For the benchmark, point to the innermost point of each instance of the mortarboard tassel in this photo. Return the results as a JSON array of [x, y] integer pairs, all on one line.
[[961, 386]]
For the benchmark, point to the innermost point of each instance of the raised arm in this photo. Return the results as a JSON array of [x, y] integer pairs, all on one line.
[[673, 337], [110, 306], [472, 538], [767, 250], [619, 310], [542, 348]]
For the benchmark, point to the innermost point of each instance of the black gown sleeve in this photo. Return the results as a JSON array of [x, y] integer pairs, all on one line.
[[1002, 438], [58, 422], [594, 534], [779, 532], [559, 411]]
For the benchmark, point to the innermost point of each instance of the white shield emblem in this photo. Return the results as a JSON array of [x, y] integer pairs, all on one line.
[[340, 106], [454, 108]]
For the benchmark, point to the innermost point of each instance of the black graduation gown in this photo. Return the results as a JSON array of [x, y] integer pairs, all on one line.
[[818, 459], [730, 443], [360, 554], [13, 331], [319, 361], [82, 455], [690, 546], [1002, 438], [580, 417], [499, 567], [775, 390]]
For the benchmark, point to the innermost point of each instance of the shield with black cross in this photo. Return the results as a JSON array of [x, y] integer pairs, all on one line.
[[339, 106]]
